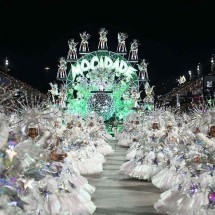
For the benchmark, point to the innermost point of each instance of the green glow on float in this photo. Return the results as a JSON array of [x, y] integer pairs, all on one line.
[[85, 77]]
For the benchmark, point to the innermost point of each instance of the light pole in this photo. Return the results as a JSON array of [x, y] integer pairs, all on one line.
[[6, 63], [212, 64]]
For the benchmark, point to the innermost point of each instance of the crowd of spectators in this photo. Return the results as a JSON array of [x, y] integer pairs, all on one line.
[[13, 90]]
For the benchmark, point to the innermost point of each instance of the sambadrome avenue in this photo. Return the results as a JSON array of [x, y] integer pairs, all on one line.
[[107, 108]]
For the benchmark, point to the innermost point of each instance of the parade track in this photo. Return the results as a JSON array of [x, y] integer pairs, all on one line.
[[119, 194]]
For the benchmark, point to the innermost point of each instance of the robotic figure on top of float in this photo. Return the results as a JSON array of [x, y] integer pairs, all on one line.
[[84, 46], [103, 39], [121, 42], [72, 53]]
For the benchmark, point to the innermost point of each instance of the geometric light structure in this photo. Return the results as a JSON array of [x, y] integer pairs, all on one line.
[[103, 81], [97, 72], [102, 104]]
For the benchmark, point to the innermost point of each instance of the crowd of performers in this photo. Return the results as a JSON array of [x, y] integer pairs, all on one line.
[[45, 155], [176, 152]]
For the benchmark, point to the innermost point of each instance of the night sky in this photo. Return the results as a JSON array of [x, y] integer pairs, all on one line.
[[174, 35]]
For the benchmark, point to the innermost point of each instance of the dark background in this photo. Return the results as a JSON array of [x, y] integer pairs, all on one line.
[[174, 35]]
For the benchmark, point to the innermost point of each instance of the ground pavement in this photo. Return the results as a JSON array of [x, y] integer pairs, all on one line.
[[119, 194]]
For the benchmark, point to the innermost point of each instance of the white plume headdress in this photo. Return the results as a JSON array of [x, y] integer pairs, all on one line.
[[36, 110], [202, 117]]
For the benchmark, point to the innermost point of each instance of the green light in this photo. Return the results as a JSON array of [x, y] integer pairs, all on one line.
[[83, 85]]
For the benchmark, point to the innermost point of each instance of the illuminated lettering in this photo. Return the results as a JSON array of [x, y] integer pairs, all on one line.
[[106, 62], [94, 60], [85, 65]]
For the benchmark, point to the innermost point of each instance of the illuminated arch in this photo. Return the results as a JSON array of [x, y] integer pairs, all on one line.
[[84, 84]]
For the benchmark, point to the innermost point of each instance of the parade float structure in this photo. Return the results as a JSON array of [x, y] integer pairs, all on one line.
[[101, 81]]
